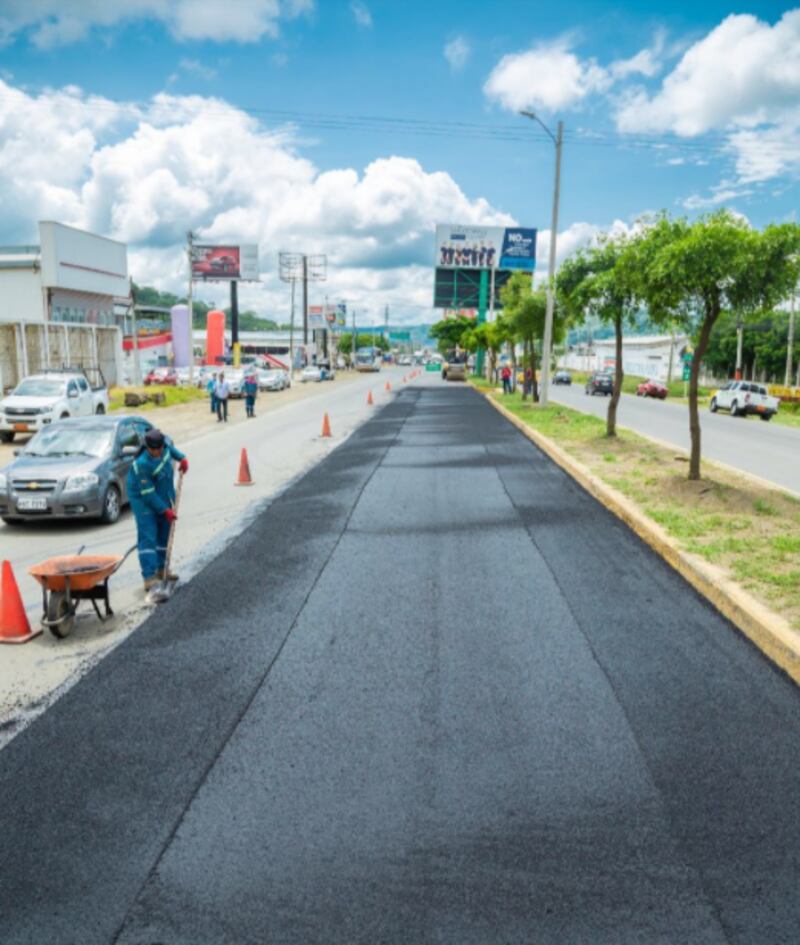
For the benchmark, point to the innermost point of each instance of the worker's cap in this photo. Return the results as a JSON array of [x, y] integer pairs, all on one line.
[[154, 439]]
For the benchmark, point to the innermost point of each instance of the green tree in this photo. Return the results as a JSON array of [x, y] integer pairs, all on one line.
[[524, 311], [593, 284], [449, 331], [763, 348], [691, 272]]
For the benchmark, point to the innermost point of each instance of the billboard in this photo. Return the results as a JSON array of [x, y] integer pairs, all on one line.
[[485, 247], [225, 263], [324, 316]]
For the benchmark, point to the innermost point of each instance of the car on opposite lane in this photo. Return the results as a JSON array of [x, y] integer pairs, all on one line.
[[652, 388], [600, 383], [75, 468], [562, 377]]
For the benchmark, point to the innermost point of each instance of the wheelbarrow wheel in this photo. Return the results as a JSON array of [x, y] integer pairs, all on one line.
[[58, 609]]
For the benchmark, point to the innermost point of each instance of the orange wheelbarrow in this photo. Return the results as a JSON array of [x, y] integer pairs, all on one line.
[[69, 579]]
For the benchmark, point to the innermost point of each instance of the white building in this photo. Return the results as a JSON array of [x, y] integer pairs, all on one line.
[[642, 355], [57, 303]]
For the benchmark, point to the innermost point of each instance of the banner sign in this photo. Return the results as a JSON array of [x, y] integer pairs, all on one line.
[[225, 263], [485, 247]]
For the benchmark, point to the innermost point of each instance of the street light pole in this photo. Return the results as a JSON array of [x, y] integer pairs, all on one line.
[[547, 342], [787, 381]]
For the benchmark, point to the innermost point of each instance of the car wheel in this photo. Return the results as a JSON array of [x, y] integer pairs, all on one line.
[[7, 436], [112, 506], [766, 417], [64, 416], [713, 405], [100, 410], [735, 408]]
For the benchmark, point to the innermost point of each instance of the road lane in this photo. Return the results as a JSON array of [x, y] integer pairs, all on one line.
[[424, 711], [768, 450]]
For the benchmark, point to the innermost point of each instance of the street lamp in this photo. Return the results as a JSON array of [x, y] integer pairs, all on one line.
[[547, 343]]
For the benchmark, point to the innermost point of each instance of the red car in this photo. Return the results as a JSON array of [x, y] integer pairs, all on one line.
[[652, 388], [162, 375]]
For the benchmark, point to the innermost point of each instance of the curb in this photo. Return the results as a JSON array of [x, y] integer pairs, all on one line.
[[773, 635]]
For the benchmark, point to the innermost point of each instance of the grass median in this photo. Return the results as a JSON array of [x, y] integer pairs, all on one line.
[[751, 532], [172, 396]]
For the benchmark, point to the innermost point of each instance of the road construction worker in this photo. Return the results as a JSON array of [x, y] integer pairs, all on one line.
[[250, 394], [151, 490]]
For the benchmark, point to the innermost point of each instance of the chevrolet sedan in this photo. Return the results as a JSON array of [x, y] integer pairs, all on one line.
[[74, 468]]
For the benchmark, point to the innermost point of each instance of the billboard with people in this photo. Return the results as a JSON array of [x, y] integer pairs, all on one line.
[[485, 247]]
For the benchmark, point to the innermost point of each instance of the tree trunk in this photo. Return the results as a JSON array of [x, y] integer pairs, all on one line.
[[534, 382], [513, 346], [619, 374], [711, 314], [524, 362]]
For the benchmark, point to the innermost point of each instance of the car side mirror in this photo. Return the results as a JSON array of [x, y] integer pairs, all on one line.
[[72, 393], [130, 450]]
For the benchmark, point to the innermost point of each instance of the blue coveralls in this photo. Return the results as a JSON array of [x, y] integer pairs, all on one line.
[[250, 392], [151, 491]]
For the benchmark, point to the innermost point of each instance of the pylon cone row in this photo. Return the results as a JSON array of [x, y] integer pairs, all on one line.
[[14, 624], [245, 479]]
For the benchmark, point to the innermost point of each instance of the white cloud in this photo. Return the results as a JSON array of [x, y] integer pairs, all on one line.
[[767, 152], [549, 76], [147, 174], [457, 52], [744, 72], [647, 62], [195, 67], [55, 23], [361, 13]]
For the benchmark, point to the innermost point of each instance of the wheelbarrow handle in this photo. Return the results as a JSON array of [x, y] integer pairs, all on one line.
[[123, 559]]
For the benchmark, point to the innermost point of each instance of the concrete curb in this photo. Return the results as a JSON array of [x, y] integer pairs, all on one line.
[[773, 635]]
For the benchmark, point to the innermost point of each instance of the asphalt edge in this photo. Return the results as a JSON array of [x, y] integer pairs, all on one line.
[[767, 630]]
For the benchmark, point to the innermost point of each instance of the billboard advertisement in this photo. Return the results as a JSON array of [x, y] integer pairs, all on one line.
[[324, 316], [225, 263], [485, 247]]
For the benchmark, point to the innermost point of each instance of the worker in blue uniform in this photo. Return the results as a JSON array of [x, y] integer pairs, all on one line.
[[151, 491]]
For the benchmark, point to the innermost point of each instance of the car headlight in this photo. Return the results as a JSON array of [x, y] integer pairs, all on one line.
[[80, 482], [3, 482]]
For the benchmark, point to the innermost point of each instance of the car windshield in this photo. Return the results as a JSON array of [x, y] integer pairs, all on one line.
[[39, 387], [70, 441]]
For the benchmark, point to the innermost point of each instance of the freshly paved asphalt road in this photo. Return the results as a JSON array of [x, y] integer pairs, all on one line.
[[768, 450], [433, 694]]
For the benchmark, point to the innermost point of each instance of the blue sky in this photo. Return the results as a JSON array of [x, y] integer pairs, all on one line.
[[352, 127]]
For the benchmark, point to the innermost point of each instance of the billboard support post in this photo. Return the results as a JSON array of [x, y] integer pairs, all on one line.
[[190, 329], [483, 292], [235, 346]]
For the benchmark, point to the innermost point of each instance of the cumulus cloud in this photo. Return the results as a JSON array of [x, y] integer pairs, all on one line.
[[549, 76], [457, 52], [361, 13], [146, 174], [55, 23], [743, 72]]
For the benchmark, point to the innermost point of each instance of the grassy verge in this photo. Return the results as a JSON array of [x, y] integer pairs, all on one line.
[[172, 395], [750, 531]]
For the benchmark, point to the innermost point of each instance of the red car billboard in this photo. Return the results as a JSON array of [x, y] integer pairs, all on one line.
[[215, 262]]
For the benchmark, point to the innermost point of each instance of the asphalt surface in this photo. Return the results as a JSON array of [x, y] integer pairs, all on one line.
[[768, 450], [415, 702]]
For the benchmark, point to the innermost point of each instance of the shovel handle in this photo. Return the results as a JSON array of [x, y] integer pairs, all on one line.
[[171, 540]]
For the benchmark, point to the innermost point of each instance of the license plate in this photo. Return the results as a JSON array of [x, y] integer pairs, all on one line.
[[21, 427], [32, 503]]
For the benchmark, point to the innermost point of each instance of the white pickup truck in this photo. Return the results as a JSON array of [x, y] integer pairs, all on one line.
[[43, 398], [745, 397]]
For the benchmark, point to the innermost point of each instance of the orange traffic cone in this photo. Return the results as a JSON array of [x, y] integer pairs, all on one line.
[[370, 401], [14, 624], [404, 379], [388, 386], [245, 479], [326, 426]]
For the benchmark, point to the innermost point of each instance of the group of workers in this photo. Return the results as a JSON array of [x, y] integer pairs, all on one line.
[[219, 393]]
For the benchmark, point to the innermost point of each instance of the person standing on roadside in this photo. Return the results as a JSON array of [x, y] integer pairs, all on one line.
[[212, 383], [151, 491], [506, 375], [221, 393], [250, 394]]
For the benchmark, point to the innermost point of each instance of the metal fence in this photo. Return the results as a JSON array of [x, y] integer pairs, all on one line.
[[28, 347]]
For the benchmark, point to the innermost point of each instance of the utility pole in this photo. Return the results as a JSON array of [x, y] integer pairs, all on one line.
[[547, 344], [787, 381], [190, 304], [237, 348], [353, 342], [298, 267], [291, 333], [305, 300]]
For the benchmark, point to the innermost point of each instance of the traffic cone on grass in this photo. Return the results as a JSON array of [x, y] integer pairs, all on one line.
[[14, 624], [326, 426], [245, 479]]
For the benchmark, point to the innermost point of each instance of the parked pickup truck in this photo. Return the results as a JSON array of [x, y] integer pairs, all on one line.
[[744, 397], [51, 395]]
